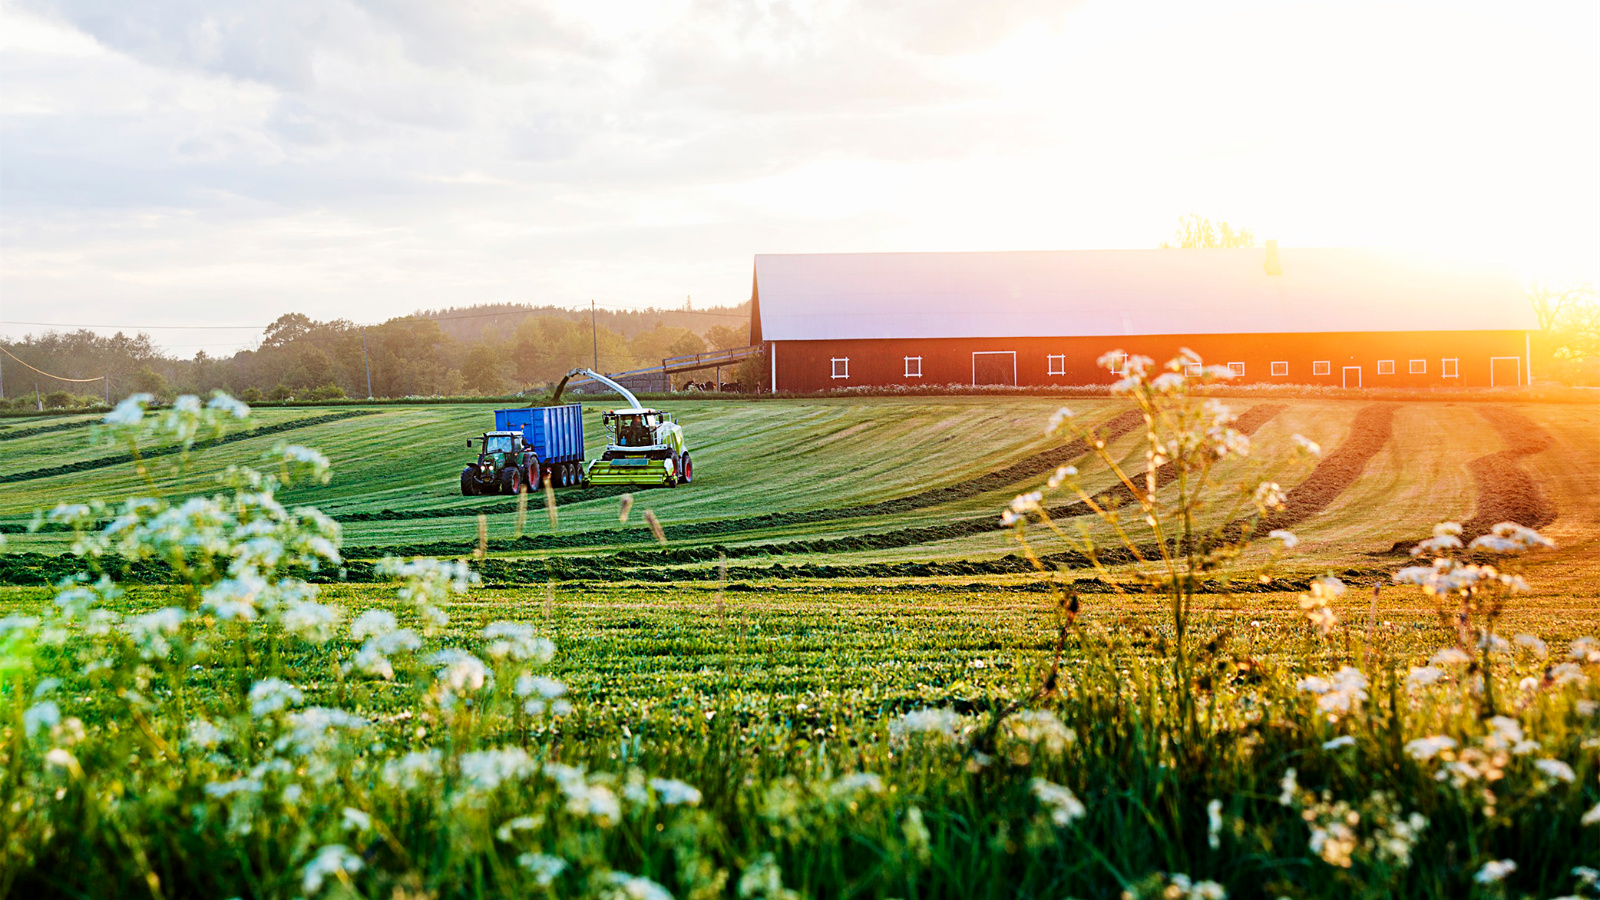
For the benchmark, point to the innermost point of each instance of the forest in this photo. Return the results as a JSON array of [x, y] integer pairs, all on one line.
[[483, 350]]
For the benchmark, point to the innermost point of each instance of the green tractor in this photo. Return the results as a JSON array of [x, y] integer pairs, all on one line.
[[505, 466]]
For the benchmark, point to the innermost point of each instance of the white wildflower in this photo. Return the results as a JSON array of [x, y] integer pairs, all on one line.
[[1287, 786], [130, 411], [1450, 656], [1509, 537], [225, 789], [1585, 650], [1290, 541], [1591, 817], [508, 830], [1214, 824], [1062, 804], [486, 770], [672, 792], [545, 868], [946, 724], [634, 887], [1423, 676], [1533, 644], [1061, 474], [855, 783], [227, 405], [413, 769], [353, 819], [61, 758], [205, 735], [1306, 445], [372, 623], [1338, 742], [313, 622], [1269, 495], [1555, 768], [459, 670], [517, 640], [335, 860], [272, 695], [1424, 749], [1495, 871]]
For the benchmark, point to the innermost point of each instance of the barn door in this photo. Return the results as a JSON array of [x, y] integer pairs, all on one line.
[[1352, 376], [1505, 371], [994, 367]]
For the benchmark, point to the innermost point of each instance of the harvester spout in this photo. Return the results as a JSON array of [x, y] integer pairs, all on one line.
[[590, 373]]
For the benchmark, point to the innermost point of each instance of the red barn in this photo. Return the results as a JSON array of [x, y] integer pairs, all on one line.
[[1340, 317]]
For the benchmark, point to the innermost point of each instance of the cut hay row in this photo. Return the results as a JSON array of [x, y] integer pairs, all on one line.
[[1505, 491], [116, 459]]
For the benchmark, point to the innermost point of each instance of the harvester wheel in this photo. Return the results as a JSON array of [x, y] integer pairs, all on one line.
[[510, 481], [686, 472]]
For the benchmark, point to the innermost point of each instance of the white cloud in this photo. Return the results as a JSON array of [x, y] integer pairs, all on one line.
[[200, 160]]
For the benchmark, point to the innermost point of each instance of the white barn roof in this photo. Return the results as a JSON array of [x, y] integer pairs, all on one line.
[[837, 296]]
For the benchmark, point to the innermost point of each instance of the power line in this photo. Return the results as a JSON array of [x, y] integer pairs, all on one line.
[[47, 374]]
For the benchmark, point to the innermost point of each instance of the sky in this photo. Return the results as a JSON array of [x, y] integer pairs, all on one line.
[[222, 162]]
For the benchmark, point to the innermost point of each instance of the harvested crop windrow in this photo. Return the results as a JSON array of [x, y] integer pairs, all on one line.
[[120, 458], [1028, 467], [1249, 422], [41, 569], [1369, 432], [12, 434], [1505, 490]]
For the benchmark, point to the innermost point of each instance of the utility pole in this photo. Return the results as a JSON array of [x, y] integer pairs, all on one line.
[[367, 362], [36, 399], [107, 379], [2, 383], [594, 333]]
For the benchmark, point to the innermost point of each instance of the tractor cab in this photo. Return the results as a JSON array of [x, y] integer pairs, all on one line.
[[498, 442], [636, 428]]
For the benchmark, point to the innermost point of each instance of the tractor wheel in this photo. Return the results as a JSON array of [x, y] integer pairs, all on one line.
[[467, 487], [531, 482], [510, 481], [686, 473]]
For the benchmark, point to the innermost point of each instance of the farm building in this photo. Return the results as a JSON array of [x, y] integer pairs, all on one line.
[[1335, 316]]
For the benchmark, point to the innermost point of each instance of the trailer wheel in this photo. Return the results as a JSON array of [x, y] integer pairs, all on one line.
[[686, 473]]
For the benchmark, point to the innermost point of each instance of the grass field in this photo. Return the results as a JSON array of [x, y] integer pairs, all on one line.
[[862, 703]]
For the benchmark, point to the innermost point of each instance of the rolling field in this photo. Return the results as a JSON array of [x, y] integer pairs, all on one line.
[[835, 675], [859, 485]]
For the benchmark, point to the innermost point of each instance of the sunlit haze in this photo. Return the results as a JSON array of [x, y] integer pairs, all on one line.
[[186, 163]]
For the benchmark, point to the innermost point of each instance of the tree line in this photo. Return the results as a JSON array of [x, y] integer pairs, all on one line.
[[486, 350]]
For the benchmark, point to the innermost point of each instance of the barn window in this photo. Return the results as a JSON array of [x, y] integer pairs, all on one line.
[[1058, 365], [1237, 369], [841, 367], [1280, 368], [1385, 367], [1451, 368], [1419, 367], [1194, 370], [913, 367], [1119, 363], [1322, 367]]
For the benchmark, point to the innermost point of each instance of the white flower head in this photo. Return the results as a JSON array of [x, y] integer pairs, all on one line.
[[518, 641], [1495, 871], [1424, 749], [1290, 541], [41, 716], [272, 695], [1060, 802], [334, 860], [130, 411]]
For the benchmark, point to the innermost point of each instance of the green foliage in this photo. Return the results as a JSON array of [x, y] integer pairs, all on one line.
[[245, 732]]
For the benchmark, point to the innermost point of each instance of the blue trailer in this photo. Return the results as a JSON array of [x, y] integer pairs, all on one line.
[[554, 434]]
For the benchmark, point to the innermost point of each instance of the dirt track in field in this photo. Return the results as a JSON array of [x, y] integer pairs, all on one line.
[[1505, 490]]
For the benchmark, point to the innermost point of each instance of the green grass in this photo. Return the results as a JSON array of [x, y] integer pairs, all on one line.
[[779, 698]]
